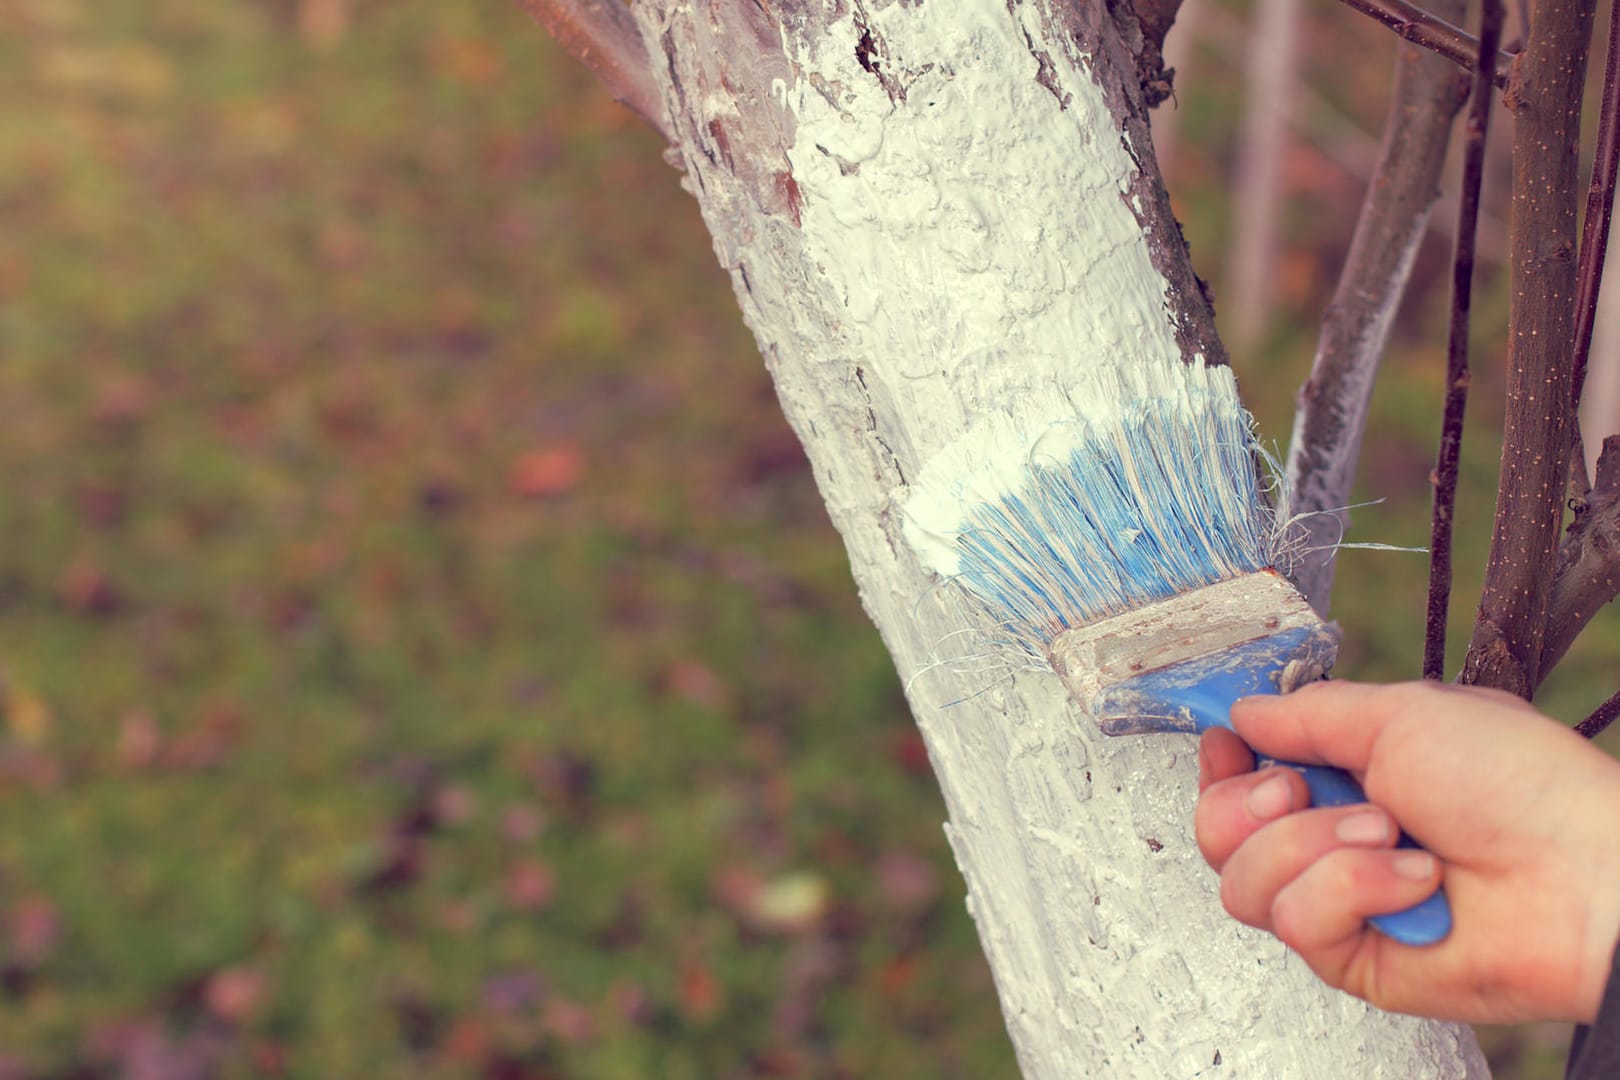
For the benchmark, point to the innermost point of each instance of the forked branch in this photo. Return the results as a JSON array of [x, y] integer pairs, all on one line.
[[1588, 559], [1549, 78]]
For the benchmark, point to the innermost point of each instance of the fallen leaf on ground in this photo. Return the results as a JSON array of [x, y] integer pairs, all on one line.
[[694, 681], [28, 718], [33, 931], [547, 472], [529, 886], [86, 588], [139, 740], [699, 991], [234, 994], [908, 883]]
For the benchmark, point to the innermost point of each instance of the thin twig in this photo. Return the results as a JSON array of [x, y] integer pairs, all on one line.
[[1444, 476], [1331, 407], [1588, 560], [1602, 716], [1414, 24], [1595, 244]]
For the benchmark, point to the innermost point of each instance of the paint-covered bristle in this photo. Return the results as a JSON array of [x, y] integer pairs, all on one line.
[[1098, 506]]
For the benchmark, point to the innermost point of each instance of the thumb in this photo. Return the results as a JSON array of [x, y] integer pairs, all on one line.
[[1326, 723]]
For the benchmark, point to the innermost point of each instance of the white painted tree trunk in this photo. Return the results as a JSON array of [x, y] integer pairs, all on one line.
[[930, 211]]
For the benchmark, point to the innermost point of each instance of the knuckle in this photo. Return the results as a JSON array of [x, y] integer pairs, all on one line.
[[1236, 902], [1287, 916], [1203, 830], [1214, 827]]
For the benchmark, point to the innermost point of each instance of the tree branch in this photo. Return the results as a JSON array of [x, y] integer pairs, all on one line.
[[1447, 455], [602, 35], [1602, 716], [1549, 77], [1154, 17], [1437, 35], [1588, 560], [1331, 412], [1594, 248]]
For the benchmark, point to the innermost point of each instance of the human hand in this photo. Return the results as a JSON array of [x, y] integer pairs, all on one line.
[[1523, 814]]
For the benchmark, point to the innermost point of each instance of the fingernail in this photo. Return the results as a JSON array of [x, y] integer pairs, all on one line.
[[1368, 827], [1417, 865], [1254, 701], [1272, 798]]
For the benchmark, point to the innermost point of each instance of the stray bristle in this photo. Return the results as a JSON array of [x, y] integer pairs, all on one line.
[[1154, 497]]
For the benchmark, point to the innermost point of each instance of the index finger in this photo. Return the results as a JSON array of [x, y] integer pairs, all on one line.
[[1336, 722]]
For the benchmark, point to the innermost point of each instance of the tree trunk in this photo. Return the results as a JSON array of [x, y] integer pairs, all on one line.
[[928, 212]]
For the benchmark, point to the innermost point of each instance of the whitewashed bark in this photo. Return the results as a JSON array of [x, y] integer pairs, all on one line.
[[924, 210]]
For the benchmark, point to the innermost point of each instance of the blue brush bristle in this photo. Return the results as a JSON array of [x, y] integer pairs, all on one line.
[[1162, 503]]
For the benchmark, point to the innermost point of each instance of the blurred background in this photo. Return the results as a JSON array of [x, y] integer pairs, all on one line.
[[423, 651]]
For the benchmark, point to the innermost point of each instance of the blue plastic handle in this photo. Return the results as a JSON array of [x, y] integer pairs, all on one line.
[[1203, 691]]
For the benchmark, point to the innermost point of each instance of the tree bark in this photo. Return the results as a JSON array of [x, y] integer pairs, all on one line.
[[1588, 559], [1545, 95], [929, 212]]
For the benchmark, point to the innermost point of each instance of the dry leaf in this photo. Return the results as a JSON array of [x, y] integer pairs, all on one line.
[[694, 681], [28, 718], [139, 741], [793, 903], [547, 472], [908, 883], [85, 588], [234, 994], [32, 931], [699, 991], [529, 886]]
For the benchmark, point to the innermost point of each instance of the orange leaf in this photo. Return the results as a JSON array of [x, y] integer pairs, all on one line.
[[28, 717], [548, 472], [699, 991]]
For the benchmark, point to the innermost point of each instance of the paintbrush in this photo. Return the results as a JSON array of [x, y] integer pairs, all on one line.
[[1117, 532]]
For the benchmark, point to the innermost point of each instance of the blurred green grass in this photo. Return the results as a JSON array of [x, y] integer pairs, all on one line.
[[424, 651], [422, 648]]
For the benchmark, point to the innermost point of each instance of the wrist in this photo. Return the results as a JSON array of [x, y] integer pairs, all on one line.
[[1602, 937]]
